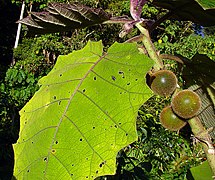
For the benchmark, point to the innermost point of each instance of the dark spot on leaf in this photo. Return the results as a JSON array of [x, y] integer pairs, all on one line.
[[100, 165], [25, 122], [45, 159], [71, 174], [123, 77], [83, 90], [121, 72], [115, 126], [111, 144], [120, 93], [54, 97], [120, 123], [129, 70], [94, 127], [105, 129], [94, 77], [72, 164], [53, 150], [86, 176], [113, 78], [24, 111], [59, 103], [136, 79], [43, 172], [28, 170], [128, 83], [56, 142], [111, 126], [60, 75], [97, 172], [86, 158], [32, 142], [126, 134], [81, 139], [23, 139]]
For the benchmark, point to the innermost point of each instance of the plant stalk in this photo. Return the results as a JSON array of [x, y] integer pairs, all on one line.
[[150, 47], [202, 134]]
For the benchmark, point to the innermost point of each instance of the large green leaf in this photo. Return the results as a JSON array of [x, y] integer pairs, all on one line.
[[83, 114], [192, 10]]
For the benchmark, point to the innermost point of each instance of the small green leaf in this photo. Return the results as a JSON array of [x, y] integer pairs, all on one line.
[[83, 114], [207, 4], [189, 10], [201, 172]]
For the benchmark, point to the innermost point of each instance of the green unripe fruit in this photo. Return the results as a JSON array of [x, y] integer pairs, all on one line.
[[163, 82], [170, 120], [186, 104]]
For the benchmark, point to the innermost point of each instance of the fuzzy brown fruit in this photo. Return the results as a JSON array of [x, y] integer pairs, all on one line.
[[186, 104], [163, 82], [170, 120]]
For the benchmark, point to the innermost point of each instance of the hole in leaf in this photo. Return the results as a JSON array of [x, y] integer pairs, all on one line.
[[54, 97], [97, 172], [94, 78], [126, 134], [71, 174], [32, 142], [120, 123], [72, 164], [128, 83], [28, 170], [45, 159], [80, 139], [121, 72], [113, 78], [56, 142], [83, 90], [136, 79], [115, 126], [59, 103], [86, 176], [60, 75], [94, 127]]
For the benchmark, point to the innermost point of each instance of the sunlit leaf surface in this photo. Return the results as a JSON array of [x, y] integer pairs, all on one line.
[[83, 114]]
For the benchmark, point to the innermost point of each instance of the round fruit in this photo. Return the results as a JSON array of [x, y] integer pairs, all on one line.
[[186, 104], [163, 82], [170, 120]]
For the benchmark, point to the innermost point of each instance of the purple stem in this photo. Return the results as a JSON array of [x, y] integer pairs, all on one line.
[[136, 8]]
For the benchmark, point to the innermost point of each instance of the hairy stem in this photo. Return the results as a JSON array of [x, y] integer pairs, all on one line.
[[150, 47], [201, 133]]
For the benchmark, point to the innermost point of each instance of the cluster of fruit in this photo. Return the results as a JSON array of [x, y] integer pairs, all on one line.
[[184, 105]]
